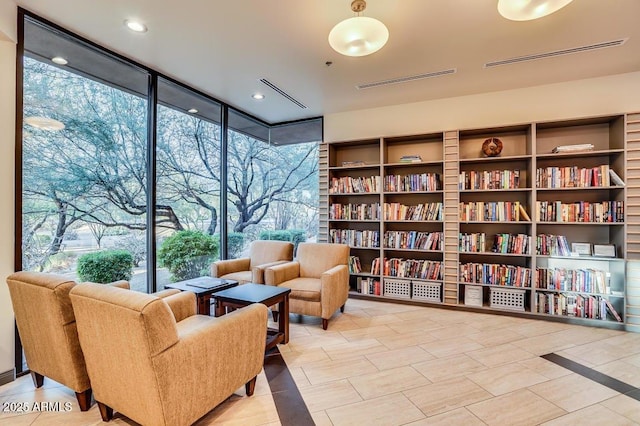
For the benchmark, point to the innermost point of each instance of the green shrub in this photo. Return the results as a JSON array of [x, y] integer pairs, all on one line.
[[187, 254], [235, 243], [295, 236], [105, 266]]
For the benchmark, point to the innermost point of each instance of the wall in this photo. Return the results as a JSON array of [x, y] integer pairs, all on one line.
[[7, 143], [573, 99]]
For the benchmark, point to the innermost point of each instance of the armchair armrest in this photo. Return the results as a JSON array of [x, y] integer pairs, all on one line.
[[334, 289], [257, 272], [182, 304], [224, 267], [165, 293], [120, 284], [276, 275]]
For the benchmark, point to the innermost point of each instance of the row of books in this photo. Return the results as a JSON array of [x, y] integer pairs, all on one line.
[[552, 245], [492, 211], [502, 243], [573, 177], [426, 211], [580, 211], [413, 240], [413, 182], [575, 305], [407, 268], [355, 238], [354, 211], [586, 280], [369, 286], [354, 185], [354, 265], [493, 179], [413, 158], [495, 274]]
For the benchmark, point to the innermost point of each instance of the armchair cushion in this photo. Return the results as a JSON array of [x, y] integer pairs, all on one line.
[[304, 289]]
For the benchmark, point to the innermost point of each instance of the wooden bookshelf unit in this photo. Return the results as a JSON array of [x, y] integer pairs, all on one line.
[[442, 223]]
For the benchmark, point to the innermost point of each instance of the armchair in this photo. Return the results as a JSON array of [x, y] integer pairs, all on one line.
[[47, 328], [157, 362], [262, 254], [318, 279]]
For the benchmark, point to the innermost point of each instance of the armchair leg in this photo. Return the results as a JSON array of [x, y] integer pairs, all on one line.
[[84, 399], [342, 308], [275, 315], [38, 379], [105, 411], [250, 386], [325, 323]]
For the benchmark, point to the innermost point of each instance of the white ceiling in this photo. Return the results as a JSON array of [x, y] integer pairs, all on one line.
[[223, 47]]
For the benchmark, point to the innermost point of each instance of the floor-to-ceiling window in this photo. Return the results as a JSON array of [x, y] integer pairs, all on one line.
[[188, 149], [103, 138]]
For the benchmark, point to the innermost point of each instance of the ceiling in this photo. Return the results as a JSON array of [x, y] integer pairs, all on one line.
[[224, 47]]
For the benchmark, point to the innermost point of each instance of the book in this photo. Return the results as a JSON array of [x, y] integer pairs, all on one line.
[[615, 178], [613, 310], [572, 148], [523, 213], [353, 163], [205, 282], [411, 159]]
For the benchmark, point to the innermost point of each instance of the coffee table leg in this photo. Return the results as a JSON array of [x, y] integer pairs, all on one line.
[[219, 308], [203, 305], [283, 323]]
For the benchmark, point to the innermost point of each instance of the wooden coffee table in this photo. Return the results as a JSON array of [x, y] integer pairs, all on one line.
[[247, 294], [203, 287]]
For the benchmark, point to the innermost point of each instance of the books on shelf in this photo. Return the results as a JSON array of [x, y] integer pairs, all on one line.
[[412, 268], [354, 211], [354, 163], [413, 240], [502, 243], [354, 185], [494, 179], [583, 280], [580, 211], [355, 238], [369, 285], [490, 211], [573, 177], [552, 245], [575, 305], [413, 182], [426, 211], [495, 274], [414, 158], [613, 311], [573, 148], [354, 265]]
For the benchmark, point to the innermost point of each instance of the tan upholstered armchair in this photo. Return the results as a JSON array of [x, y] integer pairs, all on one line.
[[262, 254], [318, 279], [157, 362], [47, 328]]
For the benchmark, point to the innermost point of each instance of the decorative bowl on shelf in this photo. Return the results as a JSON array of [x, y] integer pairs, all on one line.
[[492, 147]]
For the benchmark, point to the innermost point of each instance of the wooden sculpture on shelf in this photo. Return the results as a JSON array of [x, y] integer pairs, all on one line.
[[492, 147]]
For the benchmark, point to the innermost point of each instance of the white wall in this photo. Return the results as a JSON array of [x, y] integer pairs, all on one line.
[[580, 98], [8, 16]]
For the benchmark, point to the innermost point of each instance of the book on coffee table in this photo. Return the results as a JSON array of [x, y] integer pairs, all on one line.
[[205, 282]]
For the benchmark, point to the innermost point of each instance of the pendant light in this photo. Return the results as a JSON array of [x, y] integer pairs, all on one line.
[[358, 36], [526, 10]]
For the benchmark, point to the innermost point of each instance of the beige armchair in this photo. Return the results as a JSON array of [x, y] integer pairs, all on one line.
[[262, 254], [156, 361], [318, 279], [47, 329]]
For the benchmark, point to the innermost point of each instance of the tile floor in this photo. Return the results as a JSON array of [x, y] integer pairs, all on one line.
[[388, 364]]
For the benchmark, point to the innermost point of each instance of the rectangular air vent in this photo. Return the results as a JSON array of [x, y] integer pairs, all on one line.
[[282, 93], [406, 79], [603, 45]]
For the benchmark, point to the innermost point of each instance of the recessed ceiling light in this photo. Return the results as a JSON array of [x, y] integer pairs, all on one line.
[[258, 96], [59, 60], [136, 26], [44, 123], [193, 111]]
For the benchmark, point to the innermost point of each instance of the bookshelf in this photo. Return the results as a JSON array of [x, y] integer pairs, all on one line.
[[516, 232]]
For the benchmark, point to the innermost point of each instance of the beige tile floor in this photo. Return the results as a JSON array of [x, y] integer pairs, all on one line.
[[389, 364]]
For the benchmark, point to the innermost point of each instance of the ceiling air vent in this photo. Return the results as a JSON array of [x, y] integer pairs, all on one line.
[[283, 93], [603, 45], [406, 79]]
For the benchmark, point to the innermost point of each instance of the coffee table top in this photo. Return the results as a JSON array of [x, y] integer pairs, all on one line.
[[251, 293], [203, 285]]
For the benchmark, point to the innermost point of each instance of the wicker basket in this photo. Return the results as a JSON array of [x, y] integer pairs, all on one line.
[[397, 288], [427, 291], [507, 298]]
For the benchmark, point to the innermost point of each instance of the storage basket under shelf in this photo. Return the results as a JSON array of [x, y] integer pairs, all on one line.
[[397, 288], [507, 298], [427, 291]]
